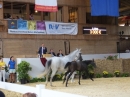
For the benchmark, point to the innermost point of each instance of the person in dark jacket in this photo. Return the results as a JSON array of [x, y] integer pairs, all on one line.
[[42, 50], [60, 54], [52, 53]]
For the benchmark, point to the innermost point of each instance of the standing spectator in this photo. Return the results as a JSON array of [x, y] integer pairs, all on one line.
[[52, 53], [60, 53], [42, 50], [2, 69], [2, 94], [31, 17], [11, 66]]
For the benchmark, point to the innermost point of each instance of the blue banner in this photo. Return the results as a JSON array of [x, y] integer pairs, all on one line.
[[22, 25], [105, 8], [12, 24]]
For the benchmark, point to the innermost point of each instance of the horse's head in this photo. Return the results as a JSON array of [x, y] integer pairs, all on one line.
[[75, 54], [78, 55]]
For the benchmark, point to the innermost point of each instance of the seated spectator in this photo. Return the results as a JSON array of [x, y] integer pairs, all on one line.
[[60, 53], [52, 53], [127, 50], [2, 94], [29, 95]]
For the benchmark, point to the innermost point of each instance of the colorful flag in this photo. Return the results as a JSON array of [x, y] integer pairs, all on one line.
[[46, 5]]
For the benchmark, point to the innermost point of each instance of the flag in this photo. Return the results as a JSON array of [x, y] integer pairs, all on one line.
[[105, 8], [46, 5]]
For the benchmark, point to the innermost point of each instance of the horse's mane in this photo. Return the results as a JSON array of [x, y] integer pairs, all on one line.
[[72, 52]]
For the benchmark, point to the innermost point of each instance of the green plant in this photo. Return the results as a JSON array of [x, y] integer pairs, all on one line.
[[105, 74], [125, 75], [110, 57], [33, 80], [110, 75], [117, 73], [23, 69], [98, 75]]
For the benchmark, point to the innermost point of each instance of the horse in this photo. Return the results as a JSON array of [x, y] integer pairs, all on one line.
[[79, 66], [55, 64]]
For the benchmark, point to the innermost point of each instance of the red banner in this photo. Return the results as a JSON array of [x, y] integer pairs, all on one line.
[[46, 5]]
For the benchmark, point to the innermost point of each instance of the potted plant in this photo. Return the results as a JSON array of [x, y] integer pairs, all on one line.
[[22, 70], [105, 74], [117, 73]]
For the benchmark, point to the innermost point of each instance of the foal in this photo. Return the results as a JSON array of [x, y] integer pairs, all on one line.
[[79, 66]]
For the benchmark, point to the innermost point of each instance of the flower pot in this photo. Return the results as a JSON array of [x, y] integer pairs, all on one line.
[[23, 81]]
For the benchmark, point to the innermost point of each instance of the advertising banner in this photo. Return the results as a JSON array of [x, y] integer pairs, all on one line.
[[26, 27], [61, 28]]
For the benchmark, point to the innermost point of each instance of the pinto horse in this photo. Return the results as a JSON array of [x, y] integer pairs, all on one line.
[[79, 66], [55, 64]]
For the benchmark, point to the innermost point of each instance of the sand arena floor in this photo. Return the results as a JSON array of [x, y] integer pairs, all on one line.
[[101, 87]]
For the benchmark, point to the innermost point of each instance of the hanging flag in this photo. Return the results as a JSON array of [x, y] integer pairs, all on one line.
[[46, 5], [105, 8]]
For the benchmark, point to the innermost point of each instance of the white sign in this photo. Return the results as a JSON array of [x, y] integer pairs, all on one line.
[[16, 31], [61, 28]]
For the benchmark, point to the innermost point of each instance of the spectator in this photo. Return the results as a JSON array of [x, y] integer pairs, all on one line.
[[52, 53], [11, 66], [29, 95], [17, 17], [42, 50], [2, 69], [127, 50], [60, 53], [2, 94], [31, 17]]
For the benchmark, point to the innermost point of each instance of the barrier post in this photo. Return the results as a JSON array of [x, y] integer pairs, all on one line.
[[39, 89]]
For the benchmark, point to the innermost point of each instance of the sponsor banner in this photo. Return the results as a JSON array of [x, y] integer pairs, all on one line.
[[22, 25], [16, 31], [40, 25], [12, 24], [61, 28], [26, 27], [46, 5]]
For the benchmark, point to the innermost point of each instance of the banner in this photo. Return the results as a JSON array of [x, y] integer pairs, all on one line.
[[41, 27], [26, 27], [105, 8], [61, 28], [46, 5]]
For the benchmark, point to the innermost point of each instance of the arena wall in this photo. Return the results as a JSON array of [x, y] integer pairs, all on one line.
[[111, 66]]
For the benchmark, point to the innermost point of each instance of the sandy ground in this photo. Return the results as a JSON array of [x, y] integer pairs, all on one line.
[[101, 87]]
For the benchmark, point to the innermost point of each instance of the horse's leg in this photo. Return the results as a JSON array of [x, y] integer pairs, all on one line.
[[52, 75], [47, 75], [79, 76], [65, 76], [90, 76], [68, 78], [72, 77]]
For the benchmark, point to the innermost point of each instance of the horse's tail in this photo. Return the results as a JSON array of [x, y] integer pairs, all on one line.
[[68, 64], [47, 68]]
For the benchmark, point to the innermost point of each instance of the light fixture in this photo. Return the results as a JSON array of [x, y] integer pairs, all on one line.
[[36, 11], [126, 37]]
